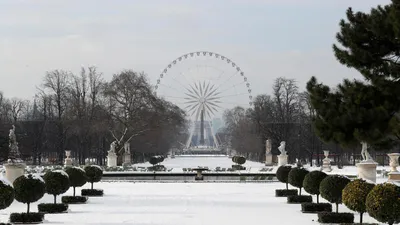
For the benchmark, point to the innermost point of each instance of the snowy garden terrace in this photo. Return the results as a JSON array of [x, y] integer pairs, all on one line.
[[179, 169]]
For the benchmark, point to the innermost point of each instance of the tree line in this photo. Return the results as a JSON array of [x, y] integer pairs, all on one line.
[[84, 113]]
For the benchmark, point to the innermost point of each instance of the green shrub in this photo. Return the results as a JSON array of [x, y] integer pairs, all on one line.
[[329, 217], [285, 192], [6, 194], [296, 177], [239, 160], [282, 175], [77, 177], [312, 181], [316, 207], [383, 203], [297, 199], [26, 217], [52, 208], [355, 194], [94, 174], [91, 192], [29, 189], [74, 199], [331, 189], [57, 182]]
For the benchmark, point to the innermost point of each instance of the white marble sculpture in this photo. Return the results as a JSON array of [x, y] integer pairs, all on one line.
[[112, 155], [127, 148], [281, 148], [15, 167], [367, 167], [326, 162], [364, 152], [68, 160], [283, 157], [268, 147], [13, 145], [113, 145], [127, 154], [394, 174], [268, 155]]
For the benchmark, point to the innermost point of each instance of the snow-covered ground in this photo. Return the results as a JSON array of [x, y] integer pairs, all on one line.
[[181, 204]]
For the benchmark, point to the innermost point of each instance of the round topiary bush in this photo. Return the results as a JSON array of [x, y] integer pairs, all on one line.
[[383, 203], [331, 189], [282, 175], [6, 194], [94, 174], [57, 182], [28, 189], [296, 177], [355, 194], [312, 181], [77, 177]]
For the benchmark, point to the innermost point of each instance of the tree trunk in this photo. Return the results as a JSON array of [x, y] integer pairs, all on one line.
[[300, 191], [74, 191], [29, 205], [287, 186], [92, 185], [317, 199], [361, 218], [337, 207], [55, 199]]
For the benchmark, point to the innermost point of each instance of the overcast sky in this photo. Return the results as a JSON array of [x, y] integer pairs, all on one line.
[[266, 38]]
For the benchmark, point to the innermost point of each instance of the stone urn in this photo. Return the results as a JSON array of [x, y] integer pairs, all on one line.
[[68, 160], [326, 154], [394, 161]]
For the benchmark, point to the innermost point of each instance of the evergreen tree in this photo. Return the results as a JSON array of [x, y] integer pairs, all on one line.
[[363, 110]]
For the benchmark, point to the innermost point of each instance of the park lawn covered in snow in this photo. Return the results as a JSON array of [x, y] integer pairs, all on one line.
[[181, 204]]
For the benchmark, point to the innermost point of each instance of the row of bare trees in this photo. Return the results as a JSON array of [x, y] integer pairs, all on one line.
[[283, 116], [84, 113]]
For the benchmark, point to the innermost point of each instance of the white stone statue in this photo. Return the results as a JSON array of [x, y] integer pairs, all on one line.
[[127, 147], [364, 152], [281, 148], [113, 145], [13, 144], [268, 147]]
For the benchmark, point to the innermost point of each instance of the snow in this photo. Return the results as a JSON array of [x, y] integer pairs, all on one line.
[[5, 181], [62, 172], [181, 204], [35, 176]]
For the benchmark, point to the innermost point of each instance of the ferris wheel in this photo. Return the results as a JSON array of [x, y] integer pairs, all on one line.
[[204, 84]]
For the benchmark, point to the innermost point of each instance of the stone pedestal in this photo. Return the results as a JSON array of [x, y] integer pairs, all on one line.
[[367, 170], [127, 159], [394, 174], [68, 161], [14, 170], [112, 160], [268, 160], [282, 160], [326, 163]]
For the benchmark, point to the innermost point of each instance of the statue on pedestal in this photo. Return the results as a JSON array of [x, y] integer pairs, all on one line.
[[364, 152], [127, 147], [281, 148]]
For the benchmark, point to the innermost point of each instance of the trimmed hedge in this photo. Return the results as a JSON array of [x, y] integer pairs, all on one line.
[[92, 192], [331, 189], [297, 199], [52, 208], [56, 182], [330, 217], [296, 177], [316, 207], [282, 175], [74, 199], [26, 217], [6, 194], [285, 192], [77, 177], [93, 174], [156, 160], [355, 194], [238, 167], [28, 189], [383, 203], [312, 181], [239, 160]]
